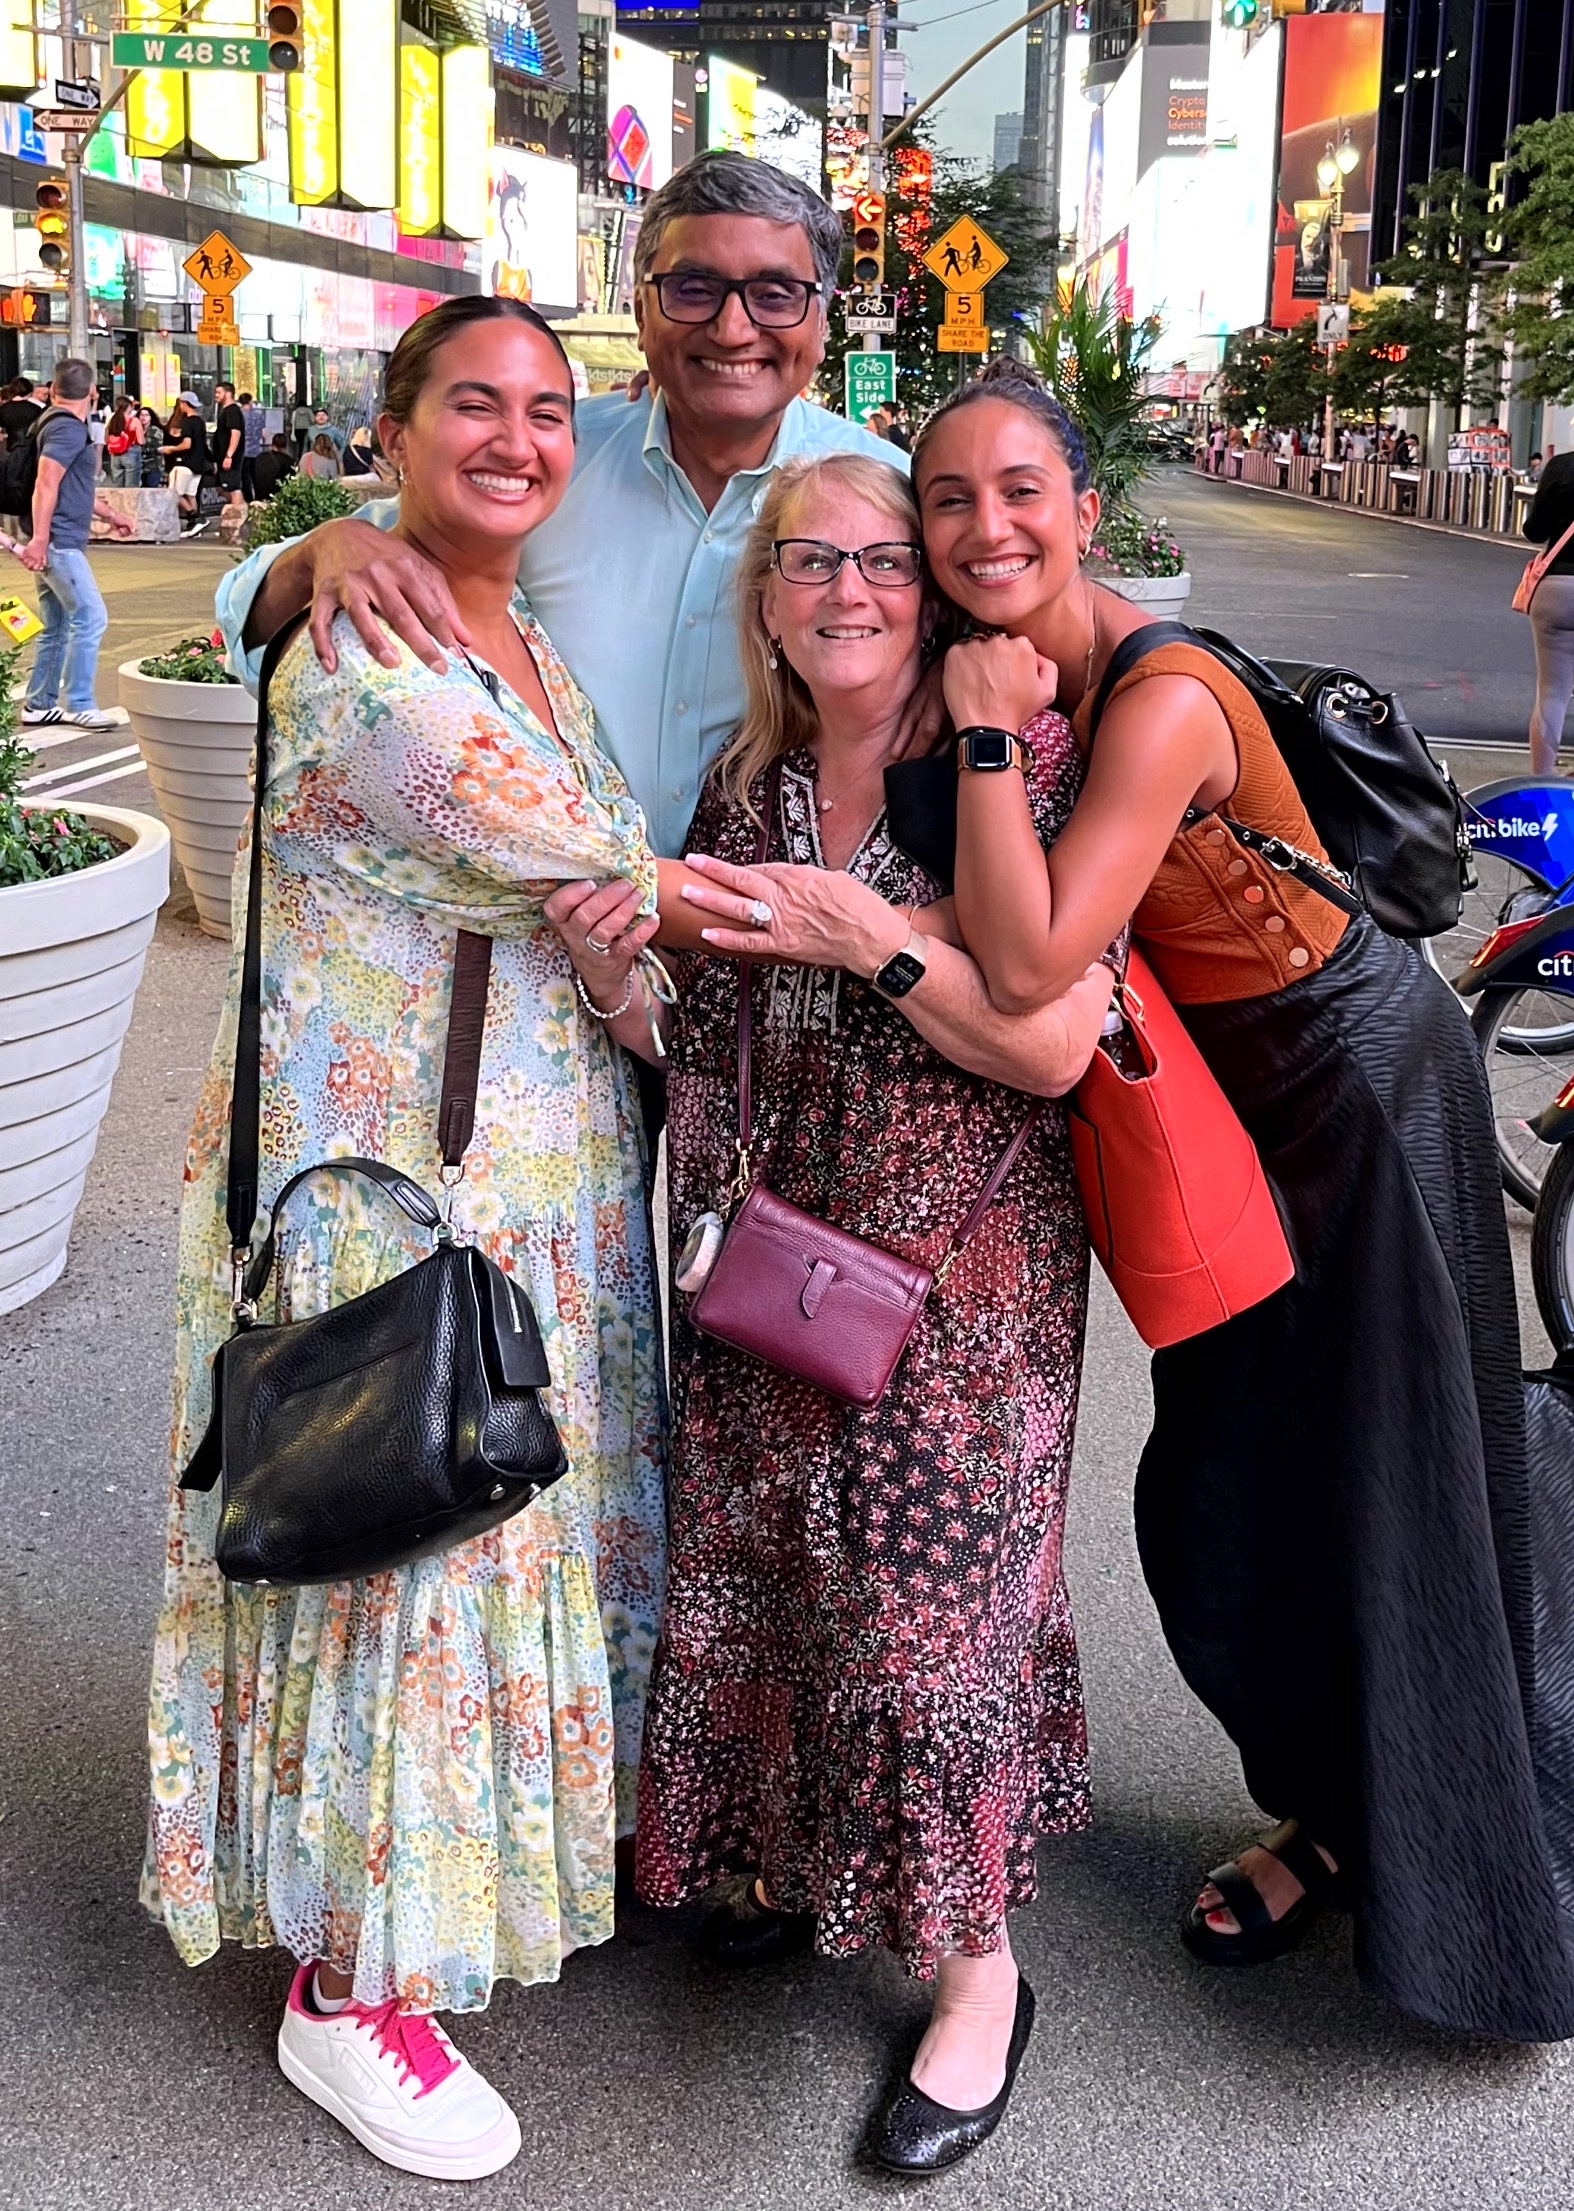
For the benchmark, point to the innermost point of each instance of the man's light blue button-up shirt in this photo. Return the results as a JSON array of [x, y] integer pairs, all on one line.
[[632, 581]]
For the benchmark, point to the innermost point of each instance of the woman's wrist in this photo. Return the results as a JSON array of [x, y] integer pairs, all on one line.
[[887, 931]]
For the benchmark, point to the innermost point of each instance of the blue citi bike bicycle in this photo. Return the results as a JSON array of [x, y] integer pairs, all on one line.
[[1511, 955]]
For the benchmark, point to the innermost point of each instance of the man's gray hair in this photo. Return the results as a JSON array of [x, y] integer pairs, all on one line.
[[726, 183], [74, 379]]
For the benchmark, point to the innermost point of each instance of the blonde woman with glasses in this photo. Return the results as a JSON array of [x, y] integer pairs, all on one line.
[[866, 1708]]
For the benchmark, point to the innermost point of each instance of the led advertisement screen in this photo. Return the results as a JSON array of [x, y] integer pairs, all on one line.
[[639, 115], [531, 251], [1333, 68]]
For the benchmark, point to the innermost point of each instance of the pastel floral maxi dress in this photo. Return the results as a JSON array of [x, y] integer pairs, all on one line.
[[867, 1687], [419, 1776]]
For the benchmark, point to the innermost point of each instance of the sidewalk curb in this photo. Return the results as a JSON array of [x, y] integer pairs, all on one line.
[[1520, 545]]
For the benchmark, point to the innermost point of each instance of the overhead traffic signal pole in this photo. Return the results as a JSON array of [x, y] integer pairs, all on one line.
[[872, 339]]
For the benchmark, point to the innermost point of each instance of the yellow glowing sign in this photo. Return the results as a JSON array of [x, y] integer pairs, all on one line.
[[420, 141], [368, 39], [18, 50], [314, 110], [731, 104], [467, 141], [156, 101], [223, 107]]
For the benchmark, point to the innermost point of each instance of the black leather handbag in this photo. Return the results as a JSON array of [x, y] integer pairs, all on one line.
[[398, 1423]]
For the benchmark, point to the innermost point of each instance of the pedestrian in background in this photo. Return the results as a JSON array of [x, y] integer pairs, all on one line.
[[323, 428], [1552, 612], [358, 453], [229, 442], [272, 467], [899, 431], [413, 1783], [1333, 1509], [300, 426], [21, 409], [870, 1733], [65, 500], [255, 439], [186, 459], [123, 445], [152, 447], [322, 461]]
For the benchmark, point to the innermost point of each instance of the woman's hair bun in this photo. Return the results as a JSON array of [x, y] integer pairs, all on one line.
[[1003, 368]]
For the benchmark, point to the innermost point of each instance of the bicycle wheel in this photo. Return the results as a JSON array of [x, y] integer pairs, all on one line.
[[1526, 1040], [1552, 1250], [1503, 892]]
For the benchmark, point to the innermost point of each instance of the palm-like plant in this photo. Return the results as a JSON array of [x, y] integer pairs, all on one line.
[[1095, 360]]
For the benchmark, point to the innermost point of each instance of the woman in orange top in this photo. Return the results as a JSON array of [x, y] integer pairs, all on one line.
[[1332, 1508]]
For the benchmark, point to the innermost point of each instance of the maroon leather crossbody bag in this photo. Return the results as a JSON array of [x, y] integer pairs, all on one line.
[[806, 1297]]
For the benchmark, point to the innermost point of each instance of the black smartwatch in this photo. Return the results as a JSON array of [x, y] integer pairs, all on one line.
[[902, 970], [989, 751]]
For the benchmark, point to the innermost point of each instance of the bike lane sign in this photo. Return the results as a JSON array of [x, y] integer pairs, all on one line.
[[871, 383]]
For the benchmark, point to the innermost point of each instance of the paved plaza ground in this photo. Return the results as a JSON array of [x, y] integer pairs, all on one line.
[[645, 2081]]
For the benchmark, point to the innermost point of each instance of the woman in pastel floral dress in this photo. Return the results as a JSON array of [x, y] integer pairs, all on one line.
[[414, 1782]]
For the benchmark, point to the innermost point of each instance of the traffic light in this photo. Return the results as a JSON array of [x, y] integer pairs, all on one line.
[[1239, 15], [284, 35], [869, 240], [53, 224]]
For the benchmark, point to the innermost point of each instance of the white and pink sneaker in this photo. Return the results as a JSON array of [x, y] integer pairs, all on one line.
[[399, 2085]]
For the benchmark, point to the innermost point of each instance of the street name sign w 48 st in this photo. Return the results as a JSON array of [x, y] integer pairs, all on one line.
[[181, 50]]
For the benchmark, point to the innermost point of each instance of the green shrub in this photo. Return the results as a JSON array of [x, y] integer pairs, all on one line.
[[39, 840], [299, 504]]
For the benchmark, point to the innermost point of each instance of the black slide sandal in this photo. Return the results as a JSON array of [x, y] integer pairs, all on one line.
[[1261, 1937]]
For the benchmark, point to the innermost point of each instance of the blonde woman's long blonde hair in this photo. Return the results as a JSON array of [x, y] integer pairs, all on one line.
[[779, 716]]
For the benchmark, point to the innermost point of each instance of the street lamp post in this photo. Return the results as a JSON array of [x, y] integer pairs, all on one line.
[[1336, 164]]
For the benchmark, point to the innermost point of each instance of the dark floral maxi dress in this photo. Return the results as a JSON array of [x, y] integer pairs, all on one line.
[[866, 1688]]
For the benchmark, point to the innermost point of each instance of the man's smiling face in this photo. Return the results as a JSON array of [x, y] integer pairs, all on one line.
[[726, 372]]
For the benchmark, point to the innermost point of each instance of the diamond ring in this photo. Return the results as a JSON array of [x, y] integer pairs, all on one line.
[[760, 915]]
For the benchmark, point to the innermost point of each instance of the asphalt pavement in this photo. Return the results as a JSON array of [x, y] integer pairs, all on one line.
[[645, 2081]]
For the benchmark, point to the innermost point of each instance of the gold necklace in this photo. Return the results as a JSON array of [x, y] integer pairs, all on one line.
[[828, 805], [1093, 646]]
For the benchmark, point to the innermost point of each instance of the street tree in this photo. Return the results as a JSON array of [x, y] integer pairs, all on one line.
[[1448, 282], [1243, 375], [1539, 232], [1372, 374], [928, 191], [1296, 380]]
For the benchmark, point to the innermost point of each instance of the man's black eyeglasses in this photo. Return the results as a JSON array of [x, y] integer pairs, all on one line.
[[699, 295]]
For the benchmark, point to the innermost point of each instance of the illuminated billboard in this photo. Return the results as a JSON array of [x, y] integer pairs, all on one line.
[[531, 247], [639, 115], [785, 135], [420, 141], [212, 116], [729, 105], [1333, 68]]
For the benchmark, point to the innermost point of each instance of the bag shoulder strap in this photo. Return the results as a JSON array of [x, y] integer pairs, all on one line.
[[466, 1018], [1003, 1165], [1287, 859], [1543, 560]]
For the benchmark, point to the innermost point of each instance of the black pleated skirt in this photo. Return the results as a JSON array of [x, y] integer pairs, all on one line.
[[1333, 1509]]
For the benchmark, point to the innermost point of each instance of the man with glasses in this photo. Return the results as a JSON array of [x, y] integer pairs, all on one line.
[[632, 577]]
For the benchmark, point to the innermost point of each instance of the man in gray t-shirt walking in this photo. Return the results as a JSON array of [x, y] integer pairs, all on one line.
[[65, 500]]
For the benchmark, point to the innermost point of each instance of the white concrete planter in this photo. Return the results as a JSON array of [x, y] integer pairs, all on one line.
[[71, 953], [1164, 597], [196, 741]]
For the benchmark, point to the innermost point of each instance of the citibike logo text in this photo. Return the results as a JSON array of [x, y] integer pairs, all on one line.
[[1556, 965], [1514, 825]]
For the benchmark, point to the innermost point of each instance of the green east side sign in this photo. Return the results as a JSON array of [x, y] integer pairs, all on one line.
[[871, 383], [181, 50]]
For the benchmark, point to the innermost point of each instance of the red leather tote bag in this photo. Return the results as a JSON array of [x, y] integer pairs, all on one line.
[[1179, 1211]]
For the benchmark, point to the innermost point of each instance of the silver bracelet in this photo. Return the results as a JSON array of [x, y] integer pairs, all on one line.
[[593, 1009]]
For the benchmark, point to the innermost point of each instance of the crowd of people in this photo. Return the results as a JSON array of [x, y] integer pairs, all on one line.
[[617, 687], [1224, 445]]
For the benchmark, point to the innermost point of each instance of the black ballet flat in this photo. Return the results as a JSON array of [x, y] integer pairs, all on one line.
[[1261, 1937], [913, 2134], [747, 1931]]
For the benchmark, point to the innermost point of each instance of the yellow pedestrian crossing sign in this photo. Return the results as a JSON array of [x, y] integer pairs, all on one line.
[[216, 266], [966, 257]]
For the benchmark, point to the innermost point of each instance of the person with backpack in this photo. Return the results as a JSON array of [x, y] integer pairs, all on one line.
[[52, 477], [186, 459], [1333, 1508]]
